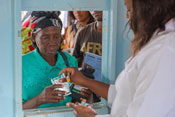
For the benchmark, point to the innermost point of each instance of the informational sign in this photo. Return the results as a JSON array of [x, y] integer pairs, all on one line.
[[94, 61]]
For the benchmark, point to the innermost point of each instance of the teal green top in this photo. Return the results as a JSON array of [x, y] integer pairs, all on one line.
[[37, 74]]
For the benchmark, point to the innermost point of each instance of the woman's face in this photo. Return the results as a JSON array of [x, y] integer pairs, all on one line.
[[81, 16], [128, 4], [48, 40]]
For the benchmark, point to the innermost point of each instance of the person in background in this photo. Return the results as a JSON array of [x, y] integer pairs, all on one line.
[[89, 38], [146, 86], [81, 19], [44, 63]]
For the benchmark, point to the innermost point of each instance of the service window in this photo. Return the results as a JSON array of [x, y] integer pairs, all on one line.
[[52, 5]]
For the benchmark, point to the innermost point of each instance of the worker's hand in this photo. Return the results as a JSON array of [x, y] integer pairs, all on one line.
[[81, 111], [50, 95], [75, 75]]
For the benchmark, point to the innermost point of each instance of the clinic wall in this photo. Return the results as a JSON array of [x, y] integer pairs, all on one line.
[[123, 38], [6, 59], [54, 5], [119, 40]]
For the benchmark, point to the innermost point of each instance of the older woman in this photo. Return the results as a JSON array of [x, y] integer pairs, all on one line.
[[44, 63]]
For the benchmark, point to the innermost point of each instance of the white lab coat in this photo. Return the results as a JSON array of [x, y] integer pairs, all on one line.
[[146, 87]]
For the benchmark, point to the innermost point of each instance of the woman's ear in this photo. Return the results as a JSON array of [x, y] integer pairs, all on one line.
[[33, 39]]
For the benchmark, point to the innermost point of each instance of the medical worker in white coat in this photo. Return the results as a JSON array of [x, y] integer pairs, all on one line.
[[146, 86]]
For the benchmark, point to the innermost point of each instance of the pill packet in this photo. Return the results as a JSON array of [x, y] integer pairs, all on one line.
[[66, 85], [87, 105], [77, 88], [84, 104]]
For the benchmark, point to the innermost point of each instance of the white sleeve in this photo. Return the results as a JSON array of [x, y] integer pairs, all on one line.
[[111, 94], [107, 115], [158, 99]]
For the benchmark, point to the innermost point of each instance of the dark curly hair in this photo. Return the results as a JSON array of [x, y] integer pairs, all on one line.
[[148, 16]]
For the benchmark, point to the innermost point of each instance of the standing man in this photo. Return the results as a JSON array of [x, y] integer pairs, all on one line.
[[89, 38]]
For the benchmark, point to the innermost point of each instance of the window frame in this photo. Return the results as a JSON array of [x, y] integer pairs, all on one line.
[[31, 5]]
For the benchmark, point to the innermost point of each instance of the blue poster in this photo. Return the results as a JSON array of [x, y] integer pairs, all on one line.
[[94, 61]]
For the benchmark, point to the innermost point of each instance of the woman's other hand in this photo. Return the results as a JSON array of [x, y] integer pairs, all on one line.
[[86, 93], [81, 111], [50, 95]]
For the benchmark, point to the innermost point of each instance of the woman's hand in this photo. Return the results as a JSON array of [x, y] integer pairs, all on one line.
[[81, 111], [75, 76], [50, 95], [86, 93], [99, 88]]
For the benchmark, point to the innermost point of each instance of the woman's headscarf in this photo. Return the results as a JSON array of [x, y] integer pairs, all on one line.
[[41, 20]]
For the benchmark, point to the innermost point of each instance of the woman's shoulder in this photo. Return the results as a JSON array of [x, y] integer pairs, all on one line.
[[29, 55], [71, 60], [160, 42], [68, 55], [155, 50], [29, 59]]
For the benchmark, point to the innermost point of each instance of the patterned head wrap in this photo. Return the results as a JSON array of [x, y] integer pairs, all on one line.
[[41, 20]]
